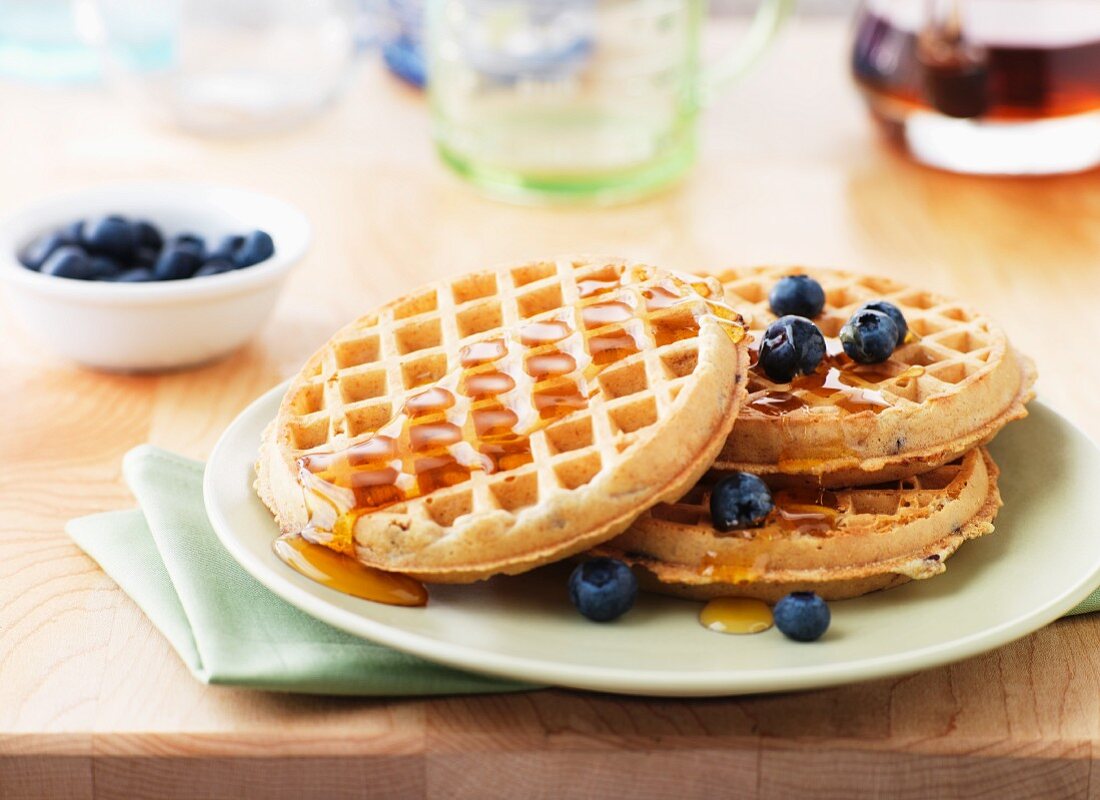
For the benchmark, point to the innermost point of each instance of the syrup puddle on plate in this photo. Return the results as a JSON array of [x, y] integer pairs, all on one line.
[[344, 574], [738, 615]]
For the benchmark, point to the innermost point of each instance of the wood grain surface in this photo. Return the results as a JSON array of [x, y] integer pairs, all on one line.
[[93, 703]]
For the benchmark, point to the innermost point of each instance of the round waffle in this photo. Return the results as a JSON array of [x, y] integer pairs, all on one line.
[[839, 543], [505, 419], [949, 387]]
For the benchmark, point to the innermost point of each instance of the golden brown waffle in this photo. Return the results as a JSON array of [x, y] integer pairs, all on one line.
[[505, 449], [840, 543], [950, 387]]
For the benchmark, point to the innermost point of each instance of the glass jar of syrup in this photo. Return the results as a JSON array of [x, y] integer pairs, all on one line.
[[984, 86]]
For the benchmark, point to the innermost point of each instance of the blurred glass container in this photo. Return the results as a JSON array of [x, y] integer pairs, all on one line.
[[575, 100], [984, 86], [229, 67], [46, 41], [403, 42]]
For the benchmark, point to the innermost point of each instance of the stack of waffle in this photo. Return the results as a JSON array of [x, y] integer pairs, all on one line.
[[515, 417], [879, 472]]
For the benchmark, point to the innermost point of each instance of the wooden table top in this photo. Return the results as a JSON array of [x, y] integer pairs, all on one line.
[[93, 703]]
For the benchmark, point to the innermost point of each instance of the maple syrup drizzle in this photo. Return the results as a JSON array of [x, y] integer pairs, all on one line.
[[776, 404], [738, 615], [486, 384], [659, 297], [600, 314], [849, 386], [593, 287], [344, 574], [807, 519], [842, 391], [434, 399], [834, 348], [481, 415], [534, 334], [545, 365], [806, 511], [482, 352]]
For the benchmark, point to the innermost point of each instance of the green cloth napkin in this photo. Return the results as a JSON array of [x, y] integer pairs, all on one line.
[[1086, 606], [226, 626]]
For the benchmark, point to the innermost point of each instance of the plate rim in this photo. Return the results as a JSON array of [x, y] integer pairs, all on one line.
[[617, 680]]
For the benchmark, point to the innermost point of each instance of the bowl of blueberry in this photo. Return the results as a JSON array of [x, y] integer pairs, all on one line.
[[149, 276]]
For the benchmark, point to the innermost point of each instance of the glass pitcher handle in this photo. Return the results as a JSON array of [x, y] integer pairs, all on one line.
[[769, 18]]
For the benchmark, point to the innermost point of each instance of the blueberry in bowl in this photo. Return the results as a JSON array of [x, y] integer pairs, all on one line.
[[106, 248], [149, 276]]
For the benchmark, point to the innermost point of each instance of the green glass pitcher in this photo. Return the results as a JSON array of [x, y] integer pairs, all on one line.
[[575, 100]]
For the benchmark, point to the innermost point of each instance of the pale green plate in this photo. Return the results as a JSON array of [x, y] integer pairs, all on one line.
[[1043, 559]]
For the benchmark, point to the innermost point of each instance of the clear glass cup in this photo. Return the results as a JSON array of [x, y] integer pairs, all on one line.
[[984, 86], [229, 67], [575, 100], [44, 41]]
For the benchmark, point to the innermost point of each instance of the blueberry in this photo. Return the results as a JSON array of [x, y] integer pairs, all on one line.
[[869, 337], [893, 312], [189, 241], [739, 500], [68, 262], [602, 589], [791, 346], [145, 256], [802, 616], [136, 275], [227, 248], [35, 254], [109, 236], [73, 232], [102, 268], [176, 262], [214, 266], [257, 247], [797, 294], [147, 235]]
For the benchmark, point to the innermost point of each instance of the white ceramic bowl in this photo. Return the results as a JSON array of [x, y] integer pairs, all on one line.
[[156, 325]]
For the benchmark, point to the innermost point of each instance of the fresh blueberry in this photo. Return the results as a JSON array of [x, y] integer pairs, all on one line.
[[68, 262], [136, 275], [35, 254], [893, 312], [797, 294], [176, 262], [227, 248], [189, 241], [602, 589], [739, 500], [791, 346], [73, 232], [147, 235], [869, 337], [214, 266], [257, 247], [102, 268], [802, 616], [109, 236], [145, 256]]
